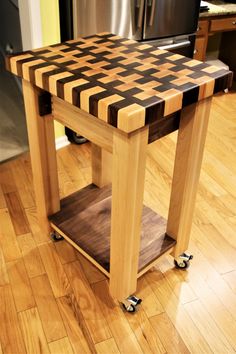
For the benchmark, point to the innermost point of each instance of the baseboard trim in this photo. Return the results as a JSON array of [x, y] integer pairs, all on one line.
[[61, 142]]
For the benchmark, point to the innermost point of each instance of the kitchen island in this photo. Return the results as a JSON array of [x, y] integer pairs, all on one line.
[[122, 96]]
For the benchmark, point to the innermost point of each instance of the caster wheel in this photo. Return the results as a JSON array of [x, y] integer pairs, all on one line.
[[182, 264], [129, 308], [55, 236], [183, 261], [131, 303], [75, 138]]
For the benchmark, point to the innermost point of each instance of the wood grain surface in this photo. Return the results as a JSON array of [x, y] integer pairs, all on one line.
[[92, 203], [121, 82], [196, 306]]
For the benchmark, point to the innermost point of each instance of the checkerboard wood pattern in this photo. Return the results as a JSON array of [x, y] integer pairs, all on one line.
[[122, 82]]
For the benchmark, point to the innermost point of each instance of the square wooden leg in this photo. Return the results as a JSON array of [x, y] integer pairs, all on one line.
[[101, 166], [188, 160], [129, 159], [43, 157]]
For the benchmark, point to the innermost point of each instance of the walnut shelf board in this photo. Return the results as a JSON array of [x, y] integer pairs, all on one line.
[[85, 218], [124, 83]]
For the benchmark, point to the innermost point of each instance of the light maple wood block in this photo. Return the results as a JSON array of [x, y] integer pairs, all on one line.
[[61, 346], [83, 123], [129, 159], [57, 277], [32, 332], [94, 319], [31, 256], [20, 284], [101, 166], [107, 347], [189, 152], [74, 322], [47, 308], [8, 240], [10, 333], [43, 157]]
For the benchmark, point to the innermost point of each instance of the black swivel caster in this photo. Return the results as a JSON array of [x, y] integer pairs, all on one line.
[[55, 236], [131, 303], [183, 261], [73, 137]]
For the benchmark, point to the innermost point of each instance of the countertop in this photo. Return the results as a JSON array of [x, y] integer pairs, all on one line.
[[122, 82], [219, 8]]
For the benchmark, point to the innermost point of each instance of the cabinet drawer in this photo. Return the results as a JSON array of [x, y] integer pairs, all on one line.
[[200, 48], [224, 24], [202, 28]]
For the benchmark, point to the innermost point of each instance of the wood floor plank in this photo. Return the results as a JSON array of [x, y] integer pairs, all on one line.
[[92, 274], [33, 334], [180, 287], [107, 347], [61, 346], [10, 333], [22, 174], [7, 180], [66, 252], [151, 305], [20, 284], [190, 334], [118, 324], [39, 235], [230, 278], [87, 302], [3, 270], [208, 328], [146, 336], [2, 199], [17, 213], [214, 305], [168, 334], [57, 277], [48, 310], [8, 240], [31, 256], [74, 322]]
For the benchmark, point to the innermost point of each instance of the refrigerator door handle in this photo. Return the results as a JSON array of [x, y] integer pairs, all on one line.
[[174, 45], [152, 12], [140, 6]]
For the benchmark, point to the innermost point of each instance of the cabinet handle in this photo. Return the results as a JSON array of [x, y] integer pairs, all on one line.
[[234, 23]]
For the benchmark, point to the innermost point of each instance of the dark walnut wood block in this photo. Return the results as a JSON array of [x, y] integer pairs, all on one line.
[[85, 217]]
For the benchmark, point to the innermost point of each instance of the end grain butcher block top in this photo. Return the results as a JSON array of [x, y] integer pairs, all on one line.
[[122, 82]]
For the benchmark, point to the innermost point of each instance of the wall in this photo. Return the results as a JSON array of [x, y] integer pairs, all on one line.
[[51, 35]]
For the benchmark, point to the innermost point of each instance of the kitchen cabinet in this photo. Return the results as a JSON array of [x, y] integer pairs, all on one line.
[[208, 27]]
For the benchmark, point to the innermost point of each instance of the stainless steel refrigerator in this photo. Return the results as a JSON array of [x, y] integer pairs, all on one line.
[[169, 24]]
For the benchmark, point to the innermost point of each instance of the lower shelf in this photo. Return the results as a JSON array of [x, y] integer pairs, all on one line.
[[85, 219]]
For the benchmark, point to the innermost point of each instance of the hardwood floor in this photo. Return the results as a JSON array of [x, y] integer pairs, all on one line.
[[52, 300]]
